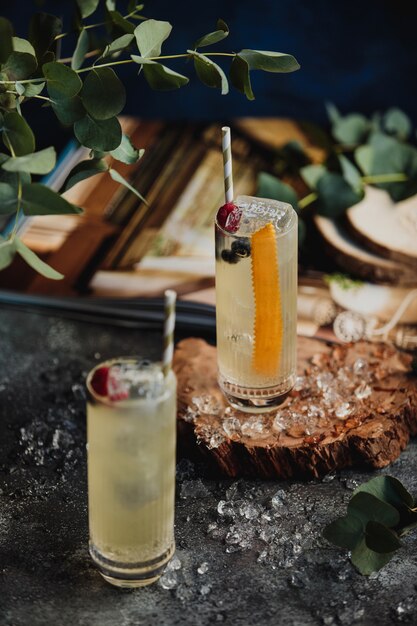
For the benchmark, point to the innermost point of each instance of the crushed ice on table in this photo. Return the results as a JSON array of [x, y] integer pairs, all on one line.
[[193, 489], [360, 368], [206, 405], [363, 391], [249, 519], [232, 427], [256, 426], [203, 568], [215, 440], [169, 579], [51, 444], [205, 590], [328, 392], [174, 563], [404, 609], [343, 410]]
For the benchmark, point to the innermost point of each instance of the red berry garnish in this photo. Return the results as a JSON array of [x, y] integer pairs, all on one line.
[[228, 217], [100, 380]]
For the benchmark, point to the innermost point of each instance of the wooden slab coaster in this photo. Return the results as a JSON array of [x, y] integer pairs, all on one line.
[[351, 405]]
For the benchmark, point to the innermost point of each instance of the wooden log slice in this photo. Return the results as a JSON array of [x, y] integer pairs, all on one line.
[[386, 228], [357, 260], [352, 405]]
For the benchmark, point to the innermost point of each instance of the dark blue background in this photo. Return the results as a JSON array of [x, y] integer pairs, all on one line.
[[360, 55]]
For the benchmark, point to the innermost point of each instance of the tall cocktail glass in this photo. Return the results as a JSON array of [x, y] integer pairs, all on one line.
[[256, 303], [131, 434]]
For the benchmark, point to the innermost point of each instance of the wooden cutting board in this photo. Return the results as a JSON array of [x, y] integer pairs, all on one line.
[[352, 405]]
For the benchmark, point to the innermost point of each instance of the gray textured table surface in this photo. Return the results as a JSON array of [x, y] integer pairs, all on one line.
[[259, 552]]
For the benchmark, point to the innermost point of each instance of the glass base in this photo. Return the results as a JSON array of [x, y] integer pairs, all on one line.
[[252, 400], [131, 575]]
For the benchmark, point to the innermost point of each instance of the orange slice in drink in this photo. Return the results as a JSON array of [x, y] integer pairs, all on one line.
[[268, 314]]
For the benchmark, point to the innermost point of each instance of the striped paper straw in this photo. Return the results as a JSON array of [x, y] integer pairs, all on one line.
[[169, 326], [227, 163]]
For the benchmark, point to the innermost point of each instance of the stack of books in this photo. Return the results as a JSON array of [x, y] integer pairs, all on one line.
[[122, 247]]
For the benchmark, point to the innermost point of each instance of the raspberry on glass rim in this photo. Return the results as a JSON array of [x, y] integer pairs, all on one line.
[[228, 217], [100, 384], [99, 381]]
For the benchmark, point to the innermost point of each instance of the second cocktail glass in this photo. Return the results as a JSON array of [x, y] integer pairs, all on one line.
[[131, 433], [256, 303]]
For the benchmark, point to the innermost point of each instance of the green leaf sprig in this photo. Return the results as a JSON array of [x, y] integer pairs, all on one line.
[[89, 97], [379, 513], [362, 152]]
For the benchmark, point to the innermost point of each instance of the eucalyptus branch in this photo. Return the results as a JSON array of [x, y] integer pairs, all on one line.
[[159, 58], [42, 98], [309, 199], [90, 99], [376, 179], [133, 15], [26, 81], [385, 178]]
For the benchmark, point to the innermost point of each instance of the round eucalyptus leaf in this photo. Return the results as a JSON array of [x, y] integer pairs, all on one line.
[[269, 61], [23, 45], [388, 489], [368, 561], [104, 135], [85, 169], [17, 134], [397, 123], [344, 532], [160, 77], [351, 129], [126, 152], [68, 110], [335, 195], [150, 35], [20, 65], [367, 507], [389, 155], [209, 72], [381, 539], [41, 162], [37, 199], [214, 37], [87, 7], [103, 94], [239, 77], [119, 44], [62, 81]]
